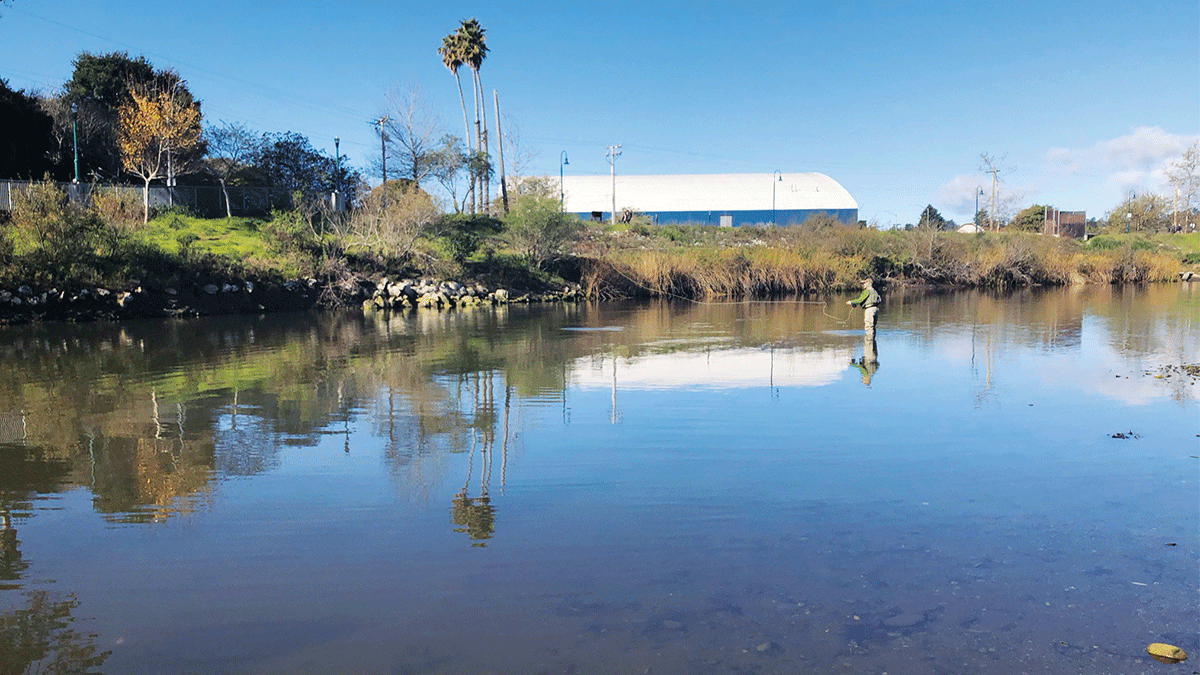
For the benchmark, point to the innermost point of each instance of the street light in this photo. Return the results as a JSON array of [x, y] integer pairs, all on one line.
[[1129, 210], [562, 161], [75, 137], [337, 163], [778, 174]]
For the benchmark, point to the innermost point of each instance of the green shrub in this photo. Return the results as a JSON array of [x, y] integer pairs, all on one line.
[[53, 240]]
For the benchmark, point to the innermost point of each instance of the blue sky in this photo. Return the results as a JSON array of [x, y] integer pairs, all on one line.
[[1085, 101]]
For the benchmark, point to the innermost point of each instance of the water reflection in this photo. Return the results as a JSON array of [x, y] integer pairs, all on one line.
[[709, 485], [147, 414], [41, 637]]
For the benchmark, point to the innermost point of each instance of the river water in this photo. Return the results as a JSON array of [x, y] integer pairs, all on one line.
[[999, 484]]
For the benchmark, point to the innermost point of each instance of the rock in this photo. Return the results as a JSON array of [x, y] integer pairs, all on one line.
[[102, 293], [228, 288], [172, 292], [211, 289], [124, 298], [25, 291], [500, 295], [249, 286]]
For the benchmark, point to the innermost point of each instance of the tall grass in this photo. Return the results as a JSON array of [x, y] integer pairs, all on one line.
[[710, 262]]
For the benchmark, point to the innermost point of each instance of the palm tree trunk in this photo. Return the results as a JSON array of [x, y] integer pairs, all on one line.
[[466, 137], [487, 181], [479, 178]]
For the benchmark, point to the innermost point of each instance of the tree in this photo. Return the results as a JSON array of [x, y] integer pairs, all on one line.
[[1031, 219], [539, 230], [1184, 175], [25, 145], [150, 125], [930, 218], [448, 162], [289, 161], [231, 147], [393, 216], [1145, 212], [451, 52], [474, 51], [99, 85], [106, 79], [414, 130]]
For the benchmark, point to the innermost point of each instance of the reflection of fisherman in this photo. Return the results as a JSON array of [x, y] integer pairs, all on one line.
[[869, 300], [869, 362]]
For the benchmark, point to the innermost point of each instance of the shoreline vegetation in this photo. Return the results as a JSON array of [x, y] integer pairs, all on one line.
[[63, 261]]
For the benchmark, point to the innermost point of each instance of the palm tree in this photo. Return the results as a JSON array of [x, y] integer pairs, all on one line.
[[451, 52], [474, 51]]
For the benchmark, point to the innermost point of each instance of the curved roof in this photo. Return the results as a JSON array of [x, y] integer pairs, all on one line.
[[706, 192]]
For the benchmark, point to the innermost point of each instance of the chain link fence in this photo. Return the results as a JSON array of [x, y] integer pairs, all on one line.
[[204, 201]]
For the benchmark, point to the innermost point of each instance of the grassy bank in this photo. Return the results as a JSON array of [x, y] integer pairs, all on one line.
[[49, 242], [710, 262]]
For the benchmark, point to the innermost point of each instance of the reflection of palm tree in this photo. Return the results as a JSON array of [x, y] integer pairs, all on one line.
[[475, 516]]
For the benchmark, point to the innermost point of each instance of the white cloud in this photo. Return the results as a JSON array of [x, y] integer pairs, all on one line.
[[1135, 161], [958, 195]]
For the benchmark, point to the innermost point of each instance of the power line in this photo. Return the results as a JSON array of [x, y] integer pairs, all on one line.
[[281, 95]]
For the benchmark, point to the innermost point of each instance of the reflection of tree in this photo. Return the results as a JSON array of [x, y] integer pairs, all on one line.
[[24, 473], [39, 638], [149, 479]]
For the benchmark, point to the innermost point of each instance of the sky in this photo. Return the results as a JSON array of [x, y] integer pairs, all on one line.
[[1079, 103]]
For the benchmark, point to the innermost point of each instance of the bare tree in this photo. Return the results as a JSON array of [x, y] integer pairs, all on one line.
[[519, 155], [414, 130], [1184, 176], [390, 227], [231, 146]]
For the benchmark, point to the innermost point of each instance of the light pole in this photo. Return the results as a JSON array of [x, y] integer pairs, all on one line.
[[1129, 210], [562, 161], [75, 137], [337, 171], [337, 163], [779, 175]]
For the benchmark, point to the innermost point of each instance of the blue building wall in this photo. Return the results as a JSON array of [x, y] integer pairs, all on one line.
[[781, 217]]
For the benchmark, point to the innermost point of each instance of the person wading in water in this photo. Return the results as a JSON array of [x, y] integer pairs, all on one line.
[[869, 300]]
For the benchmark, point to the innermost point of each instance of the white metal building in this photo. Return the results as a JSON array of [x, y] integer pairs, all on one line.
[[715, 199]]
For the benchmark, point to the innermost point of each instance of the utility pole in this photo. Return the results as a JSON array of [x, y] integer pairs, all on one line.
[[500, 150], [383, 158], [614, 151], [992, 217]]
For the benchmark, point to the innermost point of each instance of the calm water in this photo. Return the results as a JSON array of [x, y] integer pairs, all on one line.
[[662, 488]]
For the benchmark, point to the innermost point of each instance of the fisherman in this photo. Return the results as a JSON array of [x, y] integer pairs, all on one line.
[[869, 300]]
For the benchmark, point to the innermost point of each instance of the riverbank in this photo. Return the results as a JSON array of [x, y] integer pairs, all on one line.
[[26, 303]]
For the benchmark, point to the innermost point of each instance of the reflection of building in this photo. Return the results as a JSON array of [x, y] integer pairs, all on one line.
[[713, 199], [716, 369]]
